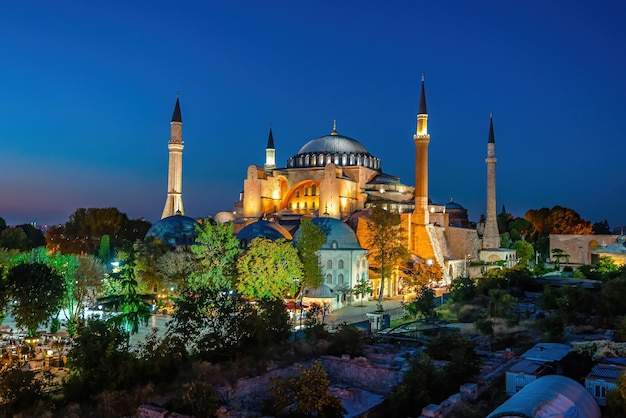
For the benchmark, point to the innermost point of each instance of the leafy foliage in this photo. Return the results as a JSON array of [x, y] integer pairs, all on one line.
[[306, 394], [100, 359], [386, 243], [362, 288], [462, 289], [268, 269], [423, 274], [217, 251], [38, 291], [309, 241], [423, 304], [23, 390]]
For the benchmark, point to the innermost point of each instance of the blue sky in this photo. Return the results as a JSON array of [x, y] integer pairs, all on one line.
[[89, 88]]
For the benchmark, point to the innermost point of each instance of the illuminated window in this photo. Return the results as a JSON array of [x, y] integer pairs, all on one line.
[[297, 193], [304, 205]]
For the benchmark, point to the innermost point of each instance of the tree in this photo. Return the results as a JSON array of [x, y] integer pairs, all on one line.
[[104, 249], [86, 284], [601, 228], [558, 254], [386, 243], [525, 251], [423, 304], [217, 250], [38, 291], [134, 309], [462, 289], [267, 270], [519, 229], [100, 359], [148, 254], [306, 394], [3, 223], [423, 274], [13, 238], [24, 390], [362, 288], [309, 241], [175, 266]]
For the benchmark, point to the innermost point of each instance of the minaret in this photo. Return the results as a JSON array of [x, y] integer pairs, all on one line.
[[270, 153], [421, 139], [174, 201], [491, 235]]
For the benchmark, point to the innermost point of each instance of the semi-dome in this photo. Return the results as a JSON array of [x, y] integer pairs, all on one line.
[[174, 230], [339, 235], [262, 229], [336, 149]]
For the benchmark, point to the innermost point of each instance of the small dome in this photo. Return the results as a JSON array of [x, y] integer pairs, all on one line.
[[339, 235], [333, 144], [453, 205], [264, 229], [320, 292], [175, 230], [224, 217]]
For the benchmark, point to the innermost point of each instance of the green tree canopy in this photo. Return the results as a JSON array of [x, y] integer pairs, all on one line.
[[38, 291], [362, 288], [387, 243], [309, 241], [525, 251], [268, 269], [217, 250], [305, 395]]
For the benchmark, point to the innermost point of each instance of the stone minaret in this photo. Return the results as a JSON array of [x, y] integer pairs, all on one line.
[[491, 235], [174, 201], [270, 153], [421, 139]]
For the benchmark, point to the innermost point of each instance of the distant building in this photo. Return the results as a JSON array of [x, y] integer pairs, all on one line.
[[616, 252], [579, 247], [543, 359], [548, 397], [603, 378]]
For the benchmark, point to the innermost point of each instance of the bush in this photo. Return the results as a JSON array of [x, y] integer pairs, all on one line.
[[347, 340]]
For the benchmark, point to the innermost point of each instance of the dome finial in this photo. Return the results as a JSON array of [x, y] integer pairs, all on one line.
[[423, 77], [334, 132]]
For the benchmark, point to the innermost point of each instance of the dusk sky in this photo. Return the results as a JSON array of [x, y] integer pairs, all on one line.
[[88, 90]]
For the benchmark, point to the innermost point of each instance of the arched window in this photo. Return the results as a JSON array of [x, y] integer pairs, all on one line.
[[313, 160], [297, 193], [329, 279], [329, 264], [340, 264], [313, 191], [334, 245], [340, 279], [313, 205], [304, 204]]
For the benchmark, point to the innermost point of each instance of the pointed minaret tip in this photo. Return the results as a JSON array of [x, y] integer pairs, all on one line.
[[334, 132], [491, 139], [422, 107], [176, 116], [270, 139]]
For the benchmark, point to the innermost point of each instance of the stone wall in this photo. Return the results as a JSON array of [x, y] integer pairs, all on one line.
[[362, 374], [578, 247]]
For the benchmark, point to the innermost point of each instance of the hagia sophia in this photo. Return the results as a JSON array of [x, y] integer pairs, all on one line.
[[335, 180]]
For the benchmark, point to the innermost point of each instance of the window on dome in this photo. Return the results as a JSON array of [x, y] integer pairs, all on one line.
[[329, 264], [334, 245], [314, 160], [306, 191]]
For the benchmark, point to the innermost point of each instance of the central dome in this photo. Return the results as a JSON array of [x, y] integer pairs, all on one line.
[[333, 143], [336, 149]]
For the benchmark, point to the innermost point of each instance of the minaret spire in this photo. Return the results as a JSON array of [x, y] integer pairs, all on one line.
[[421, 139], [270, 152], [174, 200], [491, 234]]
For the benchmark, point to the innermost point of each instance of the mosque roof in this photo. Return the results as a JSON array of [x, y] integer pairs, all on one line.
[[333, 144], [453, 205], [549, 396], [339, 235], [175, 230], [263, 229], [385, 179], [320, 292]]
